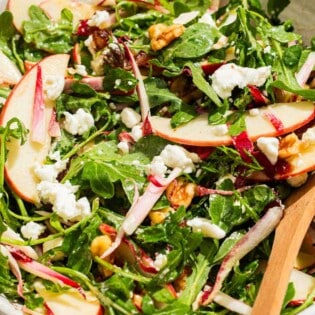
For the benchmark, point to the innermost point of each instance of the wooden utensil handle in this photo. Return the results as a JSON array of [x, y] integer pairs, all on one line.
[[287, 242]]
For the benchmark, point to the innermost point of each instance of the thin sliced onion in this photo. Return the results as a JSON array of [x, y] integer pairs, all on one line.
[[141, 207], [304, 73], [250, 240]]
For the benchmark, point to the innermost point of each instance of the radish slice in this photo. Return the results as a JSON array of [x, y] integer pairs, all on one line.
[[141, 91], [27, 250], [38, 130], [306, 69], [141, 207], [40, 270], [14, 268], [250, 240], [54, 128]]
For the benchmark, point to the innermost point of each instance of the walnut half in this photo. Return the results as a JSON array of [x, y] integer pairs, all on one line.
[[162, 35]]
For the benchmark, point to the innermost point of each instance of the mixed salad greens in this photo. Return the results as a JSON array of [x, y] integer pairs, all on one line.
[[131, 215]]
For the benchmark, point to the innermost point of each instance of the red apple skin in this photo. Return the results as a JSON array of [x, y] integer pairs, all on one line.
[[199, 133], [21, 160]]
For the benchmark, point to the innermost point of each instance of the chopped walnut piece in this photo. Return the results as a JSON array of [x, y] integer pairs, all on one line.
[[180, 193], [162, 35], [289, 146], [159, 216]]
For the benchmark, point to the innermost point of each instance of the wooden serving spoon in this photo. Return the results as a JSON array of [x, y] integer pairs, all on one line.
[[289, 235]]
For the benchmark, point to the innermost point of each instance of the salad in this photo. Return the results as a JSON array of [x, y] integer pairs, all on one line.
[[146, 152]]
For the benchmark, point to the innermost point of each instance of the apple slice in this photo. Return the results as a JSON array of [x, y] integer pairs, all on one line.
[[303, 284], [199, 133], [70, 302], [19, 10], [9, 72], [80, 10], [21, 159]]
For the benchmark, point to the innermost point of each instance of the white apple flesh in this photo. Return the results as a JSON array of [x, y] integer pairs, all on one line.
[[198, 132], [70, 302], [9, 72], [80, 10], [19, 10], [303, 283], [21, 159]]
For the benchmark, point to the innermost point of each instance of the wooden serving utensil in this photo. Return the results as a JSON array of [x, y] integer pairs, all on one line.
[[289, 234]]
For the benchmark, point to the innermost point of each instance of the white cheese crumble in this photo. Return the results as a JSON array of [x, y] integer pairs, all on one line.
[[32, 230], [78, 123], [78, 69], [99, 18], [254, 112], [130, 117], [49, 172], [220, 130], [63, 200], [230, 75], [123, 146], [53, 86], [206, 228], [160, 261], [157, 166], [309, 136], [136, 132], [176, 156], [269, 146]]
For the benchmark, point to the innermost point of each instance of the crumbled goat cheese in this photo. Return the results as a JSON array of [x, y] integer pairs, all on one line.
[[130, 117], [123, 146], [269, 146], [267, 49], [53, 86], [309, 136], [78, 69], [136, 132], [206, 228], [78, 123], [99, 18], [254, 112], [32, 230], [63, 200], [49, 172], [220, 130], [297, 180], [157, 166], [160, 261], [230, 75], [176, 156]]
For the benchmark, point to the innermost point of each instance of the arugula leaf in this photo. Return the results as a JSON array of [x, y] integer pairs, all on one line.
[[7, 32], [113, 167], [158, 93], [202, 83], [96, 174], [77, 245], [46, 35], [286, 79], [150, 146], [117, 79], [7, 280], [196, 41]]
